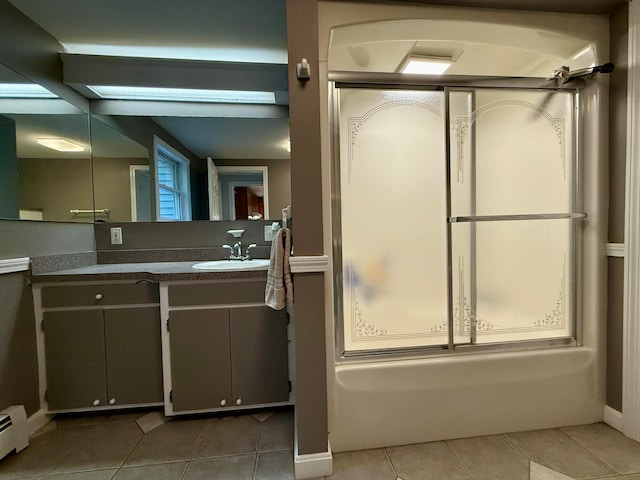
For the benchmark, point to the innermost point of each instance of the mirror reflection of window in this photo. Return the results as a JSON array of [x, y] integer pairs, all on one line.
[[172, 180]]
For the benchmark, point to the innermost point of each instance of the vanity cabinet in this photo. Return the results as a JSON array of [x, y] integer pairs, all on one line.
[[227, 349], [101, 345]]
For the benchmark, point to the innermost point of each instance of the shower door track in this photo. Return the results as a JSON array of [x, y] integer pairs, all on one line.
[[404, 81]]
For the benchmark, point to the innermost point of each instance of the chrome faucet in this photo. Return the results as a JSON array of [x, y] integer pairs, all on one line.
[[237, 248], [235, 252]]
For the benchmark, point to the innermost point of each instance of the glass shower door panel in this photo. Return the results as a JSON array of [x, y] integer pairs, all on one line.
[[393, 219], [523, 286], [511, 152]]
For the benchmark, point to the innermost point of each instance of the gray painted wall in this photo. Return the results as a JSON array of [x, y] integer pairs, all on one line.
[[617, 166], [18, 358], [614, 332], [57, 186], [306, 197], [152, 235], [9, 202], [112, 186], [36, 239]]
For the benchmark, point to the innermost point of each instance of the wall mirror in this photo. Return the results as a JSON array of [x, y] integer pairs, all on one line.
[[104, 175], [45, 154]]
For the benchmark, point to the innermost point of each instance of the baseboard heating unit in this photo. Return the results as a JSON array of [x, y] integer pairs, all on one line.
[[13, 430]]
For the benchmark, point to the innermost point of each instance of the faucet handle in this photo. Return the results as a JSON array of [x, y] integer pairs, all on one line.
[[230, 248], [248, 251]]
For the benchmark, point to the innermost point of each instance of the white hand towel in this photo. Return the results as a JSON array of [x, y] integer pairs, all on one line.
[[279, 290]]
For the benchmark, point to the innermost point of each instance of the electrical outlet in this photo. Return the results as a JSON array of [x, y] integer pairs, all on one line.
[[116, 235], [269, 233]]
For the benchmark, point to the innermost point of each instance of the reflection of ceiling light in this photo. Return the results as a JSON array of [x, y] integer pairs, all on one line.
[[60, 144], [289, 146], [209, 52], [426, 65], [182, 94], [24, 90]]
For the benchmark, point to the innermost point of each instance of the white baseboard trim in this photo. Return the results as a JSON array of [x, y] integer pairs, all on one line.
[[313, 465], [36, 421], [613, 418]]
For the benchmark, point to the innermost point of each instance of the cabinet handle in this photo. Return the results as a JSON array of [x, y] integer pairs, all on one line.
[[238, 401], [223, 402], [96, 402], [98, 296], [112, 401]]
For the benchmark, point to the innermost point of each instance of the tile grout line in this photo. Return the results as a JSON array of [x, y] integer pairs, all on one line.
[[195, 447], [255, 459], [393, 467], [521, 452], [134, 447], [193, 451], [464, 466], [593, 453], [512, 445]]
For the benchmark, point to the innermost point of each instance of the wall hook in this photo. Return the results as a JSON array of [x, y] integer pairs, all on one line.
[[303, 70]]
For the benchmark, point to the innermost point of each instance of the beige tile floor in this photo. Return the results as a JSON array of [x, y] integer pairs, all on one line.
[[112, 447]]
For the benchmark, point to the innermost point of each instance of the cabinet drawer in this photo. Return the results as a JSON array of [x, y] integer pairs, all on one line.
[[216, 293], [87, 295]]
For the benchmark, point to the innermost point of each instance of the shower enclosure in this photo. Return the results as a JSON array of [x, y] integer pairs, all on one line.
[[459, 217]]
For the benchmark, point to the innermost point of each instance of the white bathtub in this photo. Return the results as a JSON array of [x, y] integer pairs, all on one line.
[[411, 401]]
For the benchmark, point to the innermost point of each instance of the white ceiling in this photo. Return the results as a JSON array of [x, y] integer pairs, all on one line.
[[230, 30]]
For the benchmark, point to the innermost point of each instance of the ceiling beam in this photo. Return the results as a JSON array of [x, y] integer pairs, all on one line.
[[82, 70], [187, 109]]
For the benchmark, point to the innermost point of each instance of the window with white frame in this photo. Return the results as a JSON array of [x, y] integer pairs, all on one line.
[[172, 183]]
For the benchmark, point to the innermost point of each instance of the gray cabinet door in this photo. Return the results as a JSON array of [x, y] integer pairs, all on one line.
[[259, 355], [200, 359], [76, 370], [134, 355]]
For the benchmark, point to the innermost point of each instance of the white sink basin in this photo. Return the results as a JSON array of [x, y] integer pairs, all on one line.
[[233, 265]]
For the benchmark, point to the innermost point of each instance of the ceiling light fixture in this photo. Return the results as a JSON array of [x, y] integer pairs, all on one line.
[[421, 65], [24, 90], [182, 94], [60, 144]]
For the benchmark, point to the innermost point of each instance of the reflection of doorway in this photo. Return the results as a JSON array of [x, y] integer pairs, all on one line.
[[243, 192], [248, 201], [140, 193]]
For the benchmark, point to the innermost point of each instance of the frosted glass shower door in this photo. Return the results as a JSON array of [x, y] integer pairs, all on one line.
[[513, 220], [393, 218]]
